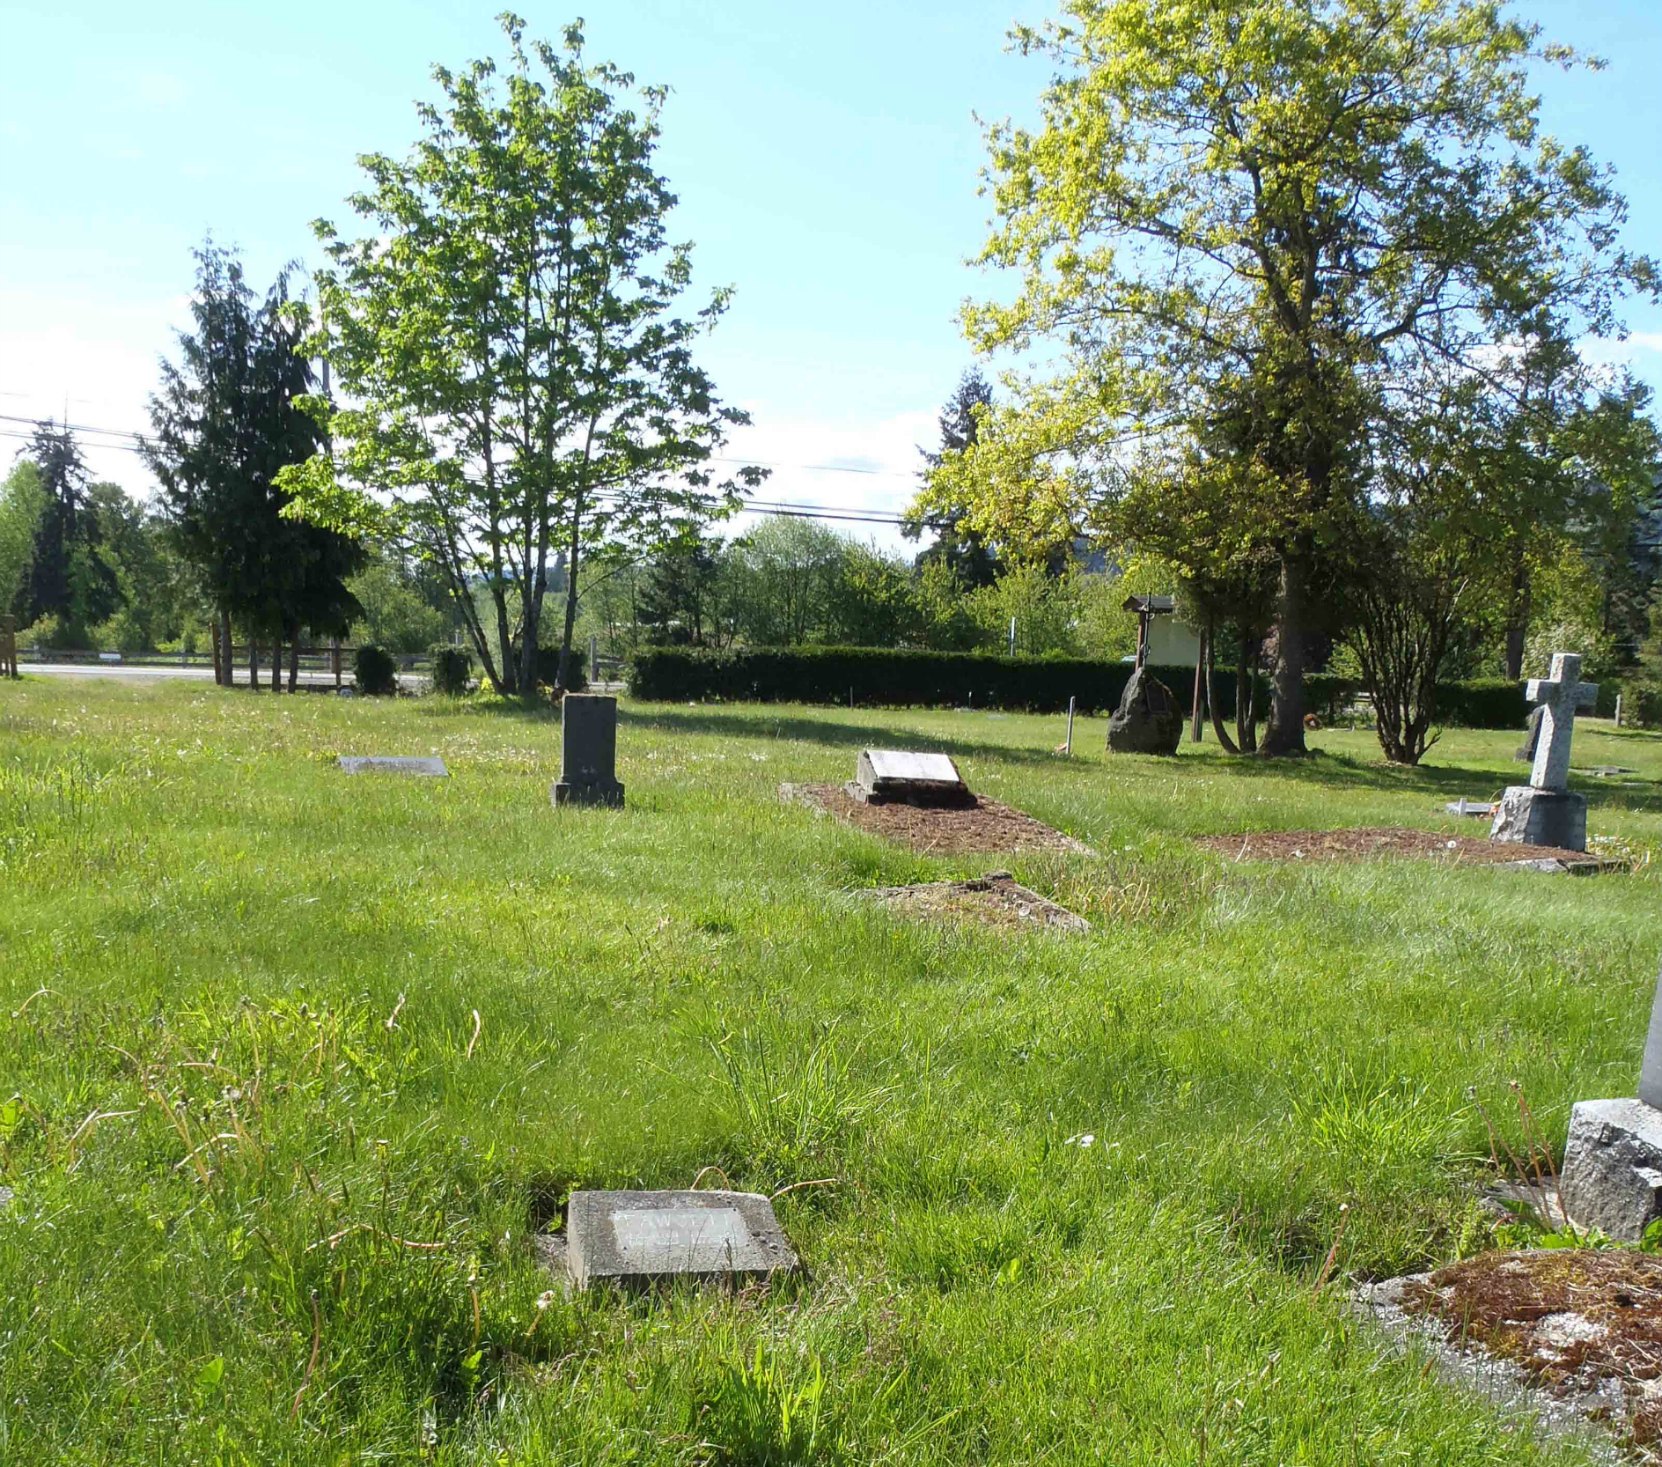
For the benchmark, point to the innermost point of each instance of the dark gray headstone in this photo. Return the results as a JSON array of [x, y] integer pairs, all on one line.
[[386, 764], [911, 778], [1148, 720], [588, 751], [1525, 752], [639, 1238]]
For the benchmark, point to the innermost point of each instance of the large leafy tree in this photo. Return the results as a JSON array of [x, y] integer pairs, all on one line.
[[22, 505], [1249, 226], [227, 419], [521, 384]]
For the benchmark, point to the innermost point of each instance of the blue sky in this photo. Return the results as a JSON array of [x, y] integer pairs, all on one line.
[[826, 158]]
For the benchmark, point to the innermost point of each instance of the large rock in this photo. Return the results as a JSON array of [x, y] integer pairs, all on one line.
[[1612, 1175], [1148, 720]]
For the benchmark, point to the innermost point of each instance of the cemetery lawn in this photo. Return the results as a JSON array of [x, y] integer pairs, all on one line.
[[295, 1065]]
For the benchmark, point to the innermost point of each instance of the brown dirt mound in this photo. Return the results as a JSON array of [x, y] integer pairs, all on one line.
[[985, 825], [1366, 841], [1569, 1317], [996, 898]]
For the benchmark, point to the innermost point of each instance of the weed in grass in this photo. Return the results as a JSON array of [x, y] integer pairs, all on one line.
[[769, 1412]]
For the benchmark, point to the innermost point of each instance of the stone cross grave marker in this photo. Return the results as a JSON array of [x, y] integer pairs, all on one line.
[[1612, 1176], [588, 751], [640, 1238], [430, 766], [882, 775], [1544, 812]]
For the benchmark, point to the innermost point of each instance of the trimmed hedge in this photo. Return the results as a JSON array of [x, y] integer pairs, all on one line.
[[898, 678]]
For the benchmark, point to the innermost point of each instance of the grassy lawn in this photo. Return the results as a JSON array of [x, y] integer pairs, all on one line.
[[300, 1063]]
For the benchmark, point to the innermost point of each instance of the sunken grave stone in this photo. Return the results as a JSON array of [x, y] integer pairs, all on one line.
[[1545, 812], [900, 776], [430, 767], [636, 1239], [588, 751], [1612, 1174], [1148, 720]]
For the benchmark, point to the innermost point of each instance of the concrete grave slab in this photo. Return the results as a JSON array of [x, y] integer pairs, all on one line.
[[636, 1239], [912, 778], [431, 767]]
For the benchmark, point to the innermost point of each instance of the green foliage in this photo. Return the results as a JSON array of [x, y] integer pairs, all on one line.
[[22, 503], [451, 670], [227, 420], [374, 672], [396, 612], [507, 328], [548, 667]]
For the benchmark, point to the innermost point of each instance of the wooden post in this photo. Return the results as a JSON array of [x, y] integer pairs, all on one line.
[[1201, 690], [8, 647], [1618, 706], [1070, 728]]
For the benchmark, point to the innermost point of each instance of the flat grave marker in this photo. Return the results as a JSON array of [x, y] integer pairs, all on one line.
[[636, 1239], [427, 766]]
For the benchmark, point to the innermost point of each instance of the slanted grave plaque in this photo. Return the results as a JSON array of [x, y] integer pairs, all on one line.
[[431, 767], [636, 1239], [904, 776]]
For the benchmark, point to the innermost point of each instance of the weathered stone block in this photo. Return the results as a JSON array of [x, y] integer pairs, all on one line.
[[1541, 817], [1612, 1173]]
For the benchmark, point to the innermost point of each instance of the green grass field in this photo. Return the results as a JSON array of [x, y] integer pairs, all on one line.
[[299, 1064]]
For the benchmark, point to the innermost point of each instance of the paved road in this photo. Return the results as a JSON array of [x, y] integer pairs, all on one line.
[[131, 672]]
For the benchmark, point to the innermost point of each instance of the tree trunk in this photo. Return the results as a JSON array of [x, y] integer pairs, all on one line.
[[1201, 690], [253, 664], [571, 601], [1246, 695], [1227, 744], [277, 664], [228, 677], [294, 658], [1285, 733], [1518, 607]]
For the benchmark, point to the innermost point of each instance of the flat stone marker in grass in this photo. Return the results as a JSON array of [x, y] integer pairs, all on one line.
[[1544, 812], [1612, 1176], [1463, 806], [588, 751], [431, 767], [906, 777], [636, 1239]]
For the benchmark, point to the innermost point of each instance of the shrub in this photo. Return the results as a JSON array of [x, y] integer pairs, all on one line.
[[548, 667], [374, 672], [451, 669], [1490, 702]]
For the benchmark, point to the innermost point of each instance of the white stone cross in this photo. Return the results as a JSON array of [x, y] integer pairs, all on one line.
[[1559, 695]]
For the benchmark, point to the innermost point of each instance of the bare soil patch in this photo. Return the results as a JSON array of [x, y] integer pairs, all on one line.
[[997, 899], [1575, 1320], [984, 825], [1368, 841]]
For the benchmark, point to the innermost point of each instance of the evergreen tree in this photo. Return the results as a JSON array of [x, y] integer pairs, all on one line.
[[958, 546], [69, 576]]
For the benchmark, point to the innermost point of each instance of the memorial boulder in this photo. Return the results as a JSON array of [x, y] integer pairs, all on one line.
[[1148, 720]]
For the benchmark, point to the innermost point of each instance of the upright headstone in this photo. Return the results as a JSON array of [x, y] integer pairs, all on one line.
[[635, 1239], [902, 776], [1544, 812], [1612, 1175], [588, 751]]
